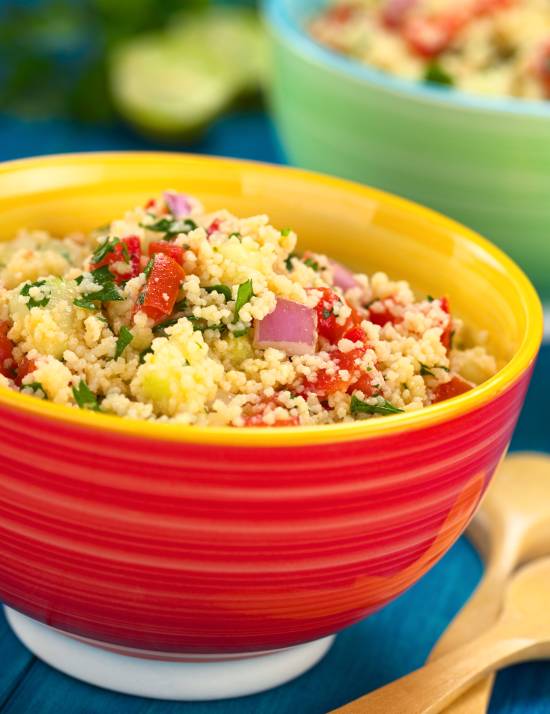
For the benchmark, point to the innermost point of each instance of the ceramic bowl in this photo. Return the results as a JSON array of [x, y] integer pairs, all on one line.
[[162, 559], [483, 161]]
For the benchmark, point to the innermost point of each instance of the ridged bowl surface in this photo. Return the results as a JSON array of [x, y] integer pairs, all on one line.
[[177, 539], [483, 161]]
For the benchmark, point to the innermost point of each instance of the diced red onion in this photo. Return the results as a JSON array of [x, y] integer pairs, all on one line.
[[342, 277], [178, 204], [395, 12], [291, 327]]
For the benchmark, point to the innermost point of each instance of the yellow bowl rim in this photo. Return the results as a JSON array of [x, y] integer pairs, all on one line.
[[306, 435]]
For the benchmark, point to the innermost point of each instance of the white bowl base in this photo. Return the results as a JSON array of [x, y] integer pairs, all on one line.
[[183, 681]]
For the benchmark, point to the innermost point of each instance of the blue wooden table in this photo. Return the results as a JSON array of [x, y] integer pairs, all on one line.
[[383, 647]]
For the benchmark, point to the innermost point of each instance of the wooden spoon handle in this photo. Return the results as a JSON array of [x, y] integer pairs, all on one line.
[[432, 687]]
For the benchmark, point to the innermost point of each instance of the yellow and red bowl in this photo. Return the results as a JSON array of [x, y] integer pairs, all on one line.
[[176, 539]]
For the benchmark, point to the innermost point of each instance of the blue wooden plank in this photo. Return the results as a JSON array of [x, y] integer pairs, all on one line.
[[15, 661]]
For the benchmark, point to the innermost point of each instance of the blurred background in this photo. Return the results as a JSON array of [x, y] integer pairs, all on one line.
[[81, 75]]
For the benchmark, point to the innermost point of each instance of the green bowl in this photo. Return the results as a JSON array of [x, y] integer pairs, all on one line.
[[485, 162]]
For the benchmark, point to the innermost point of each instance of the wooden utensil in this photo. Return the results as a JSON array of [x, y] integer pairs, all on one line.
[[522, 632], [511, 527]]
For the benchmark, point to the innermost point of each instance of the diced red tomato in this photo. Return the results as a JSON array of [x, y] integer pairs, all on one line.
[[150, 203], [456, 386], [327, 324], [356, 334], [127, 251], [428, 36], [159, 295], [162, 246], [447, 334], [6, 350], [25, 367], [341, 13], [257, 418], [329, 382], [214, 226], [395, 12], [382, 314]]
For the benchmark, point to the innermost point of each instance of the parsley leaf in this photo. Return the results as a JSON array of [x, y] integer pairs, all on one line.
[[286, 232], [314, 265], [31, 301], [149, 266], [244, 294], [108, 292], [424, 370], [171, 227], [159, 329], [84, 397], [436, 74], [358, 406], [124, 339], [144, 354], [288, 262], [36, 387], [241, 333], [105, 249], [224, 290]]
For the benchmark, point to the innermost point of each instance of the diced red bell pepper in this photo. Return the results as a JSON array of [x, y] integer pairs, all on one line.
[[395, 12], [25, 367], [341, 13], [257, 418], [162, 246], [214, 226], [160, 293], [150, 203], [383, 314], [327, 324], [6, 350], [128, 250], [450, 389]]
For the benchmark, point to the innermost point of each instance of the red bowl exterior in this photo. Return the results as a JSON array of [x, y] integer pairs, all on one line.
[[174, 547]]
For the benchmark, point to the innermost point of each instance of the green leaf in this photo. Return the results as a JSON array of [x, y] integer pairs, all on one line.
[[313, 264], [426, 371], [288, 262], [85, 398], [31, 301], [241, 333], [149, 267], [358, 406], [144, 354], [170, 226], [244, 294], [181, 305], [36, 387], [436, 74], [159, 329], [124, 339], [108, 292], [224, 290], [286, 232], [105, 249]]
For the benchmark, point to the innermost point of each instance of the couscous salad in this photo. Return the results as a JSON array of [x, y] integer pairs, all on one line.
[[174, 314]]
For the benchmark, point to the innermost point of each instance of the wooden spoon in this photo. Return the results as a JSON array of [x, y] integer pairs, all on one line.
[[521, 633], [511, 528]]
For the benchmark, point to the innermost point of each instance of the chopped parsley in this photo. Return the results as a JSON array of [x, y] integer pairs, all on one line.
[[31, 301], [106, 248], [124, 339], [286, 232], [171, 227], [149, 266], [313, 264], [108, 292], [159, 329], [224, 290], [144, 354], [244, 294], [181, 305], [235, 234], [288, 262], [429, 298], [436, 74], [85, 398], [427, 371], [358, 406], [36, 387], [326, 313], [241, 333], [201, 325]]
